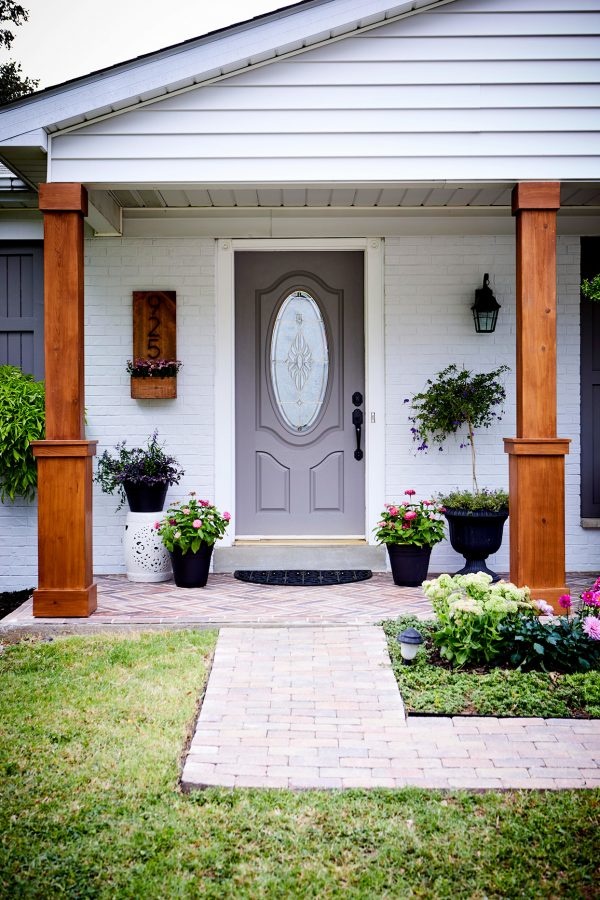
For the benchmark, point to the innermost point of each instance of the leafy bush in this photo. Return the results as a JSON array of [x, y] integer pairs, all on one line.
[[469, 610], [22, 420], [590, 287], [484, 500], [557, 646], [141, 465], [570, 643]]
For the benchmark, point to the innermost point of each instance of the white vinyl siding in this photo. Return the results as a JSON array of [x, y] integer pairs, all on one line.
[[469, 91]]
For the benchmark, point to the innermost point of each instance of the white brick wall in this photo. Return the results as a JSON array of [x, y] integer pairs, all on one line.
[[114, 268], [429, 286]]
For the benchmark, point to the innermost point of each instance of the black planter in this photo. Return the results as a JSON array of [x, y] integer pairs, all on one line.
[[409, 564], [145, 497], [190, 570], [476, 535]]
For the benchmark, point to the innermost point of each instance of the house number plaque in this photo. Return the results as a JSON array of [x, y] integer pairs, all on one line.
[[154, 337]]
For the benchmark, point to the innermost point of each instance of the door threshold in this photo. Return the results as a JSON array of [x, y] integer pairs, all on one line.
[[299, 542]]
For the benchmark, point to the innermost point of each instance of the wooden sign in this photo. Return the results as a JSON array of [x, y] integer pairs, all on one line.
[[154, 337]]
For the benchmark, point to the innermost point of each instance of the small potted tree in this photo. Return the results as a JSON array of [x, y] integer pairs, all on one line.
[[409, 530], [189, 531], [140, 474], [454, 400]]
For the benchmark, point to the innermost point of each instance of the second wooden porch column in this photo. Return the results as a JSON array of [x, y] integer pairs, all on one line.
[[65, 581], [536, 455]]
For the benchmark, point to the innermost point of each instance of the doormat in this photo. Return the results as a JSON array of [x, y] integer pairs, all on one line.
[[303, 577]]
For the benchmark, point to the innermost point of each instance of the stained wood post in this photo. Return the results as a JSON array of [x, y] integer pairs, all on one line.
[[536, 455], [65, 580]]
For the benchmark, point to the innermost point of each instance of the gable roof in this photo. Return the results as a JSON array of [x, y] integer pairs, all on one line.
[[207, 58]]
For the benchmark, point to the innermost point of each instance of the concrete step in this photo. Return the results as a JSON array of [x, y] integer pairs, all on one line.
[[305, 555]]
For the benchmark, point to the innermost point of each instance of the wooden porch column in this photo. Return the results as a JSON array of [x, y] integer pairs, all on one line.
[[536, 455], [65, 581]]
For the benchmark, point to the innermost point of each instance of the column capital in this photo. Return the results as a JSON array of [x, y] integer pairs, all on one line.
[[535, 195], [63, 197]]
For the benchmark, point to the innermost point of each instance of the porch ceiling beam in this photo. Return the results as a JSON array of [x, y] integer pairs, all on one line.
[[104, 214]]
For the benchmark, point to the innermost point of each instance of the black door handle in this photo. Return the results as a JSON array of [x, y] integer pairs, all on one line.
[[357, 421]]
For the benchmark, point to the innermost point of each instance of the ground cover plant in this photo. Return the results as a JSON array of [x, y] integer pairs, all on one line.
[[431, 685], [92, 731]]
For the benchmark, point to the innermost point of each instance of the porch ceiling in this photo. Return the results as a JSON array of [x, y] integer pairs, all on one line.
[[408, 196]]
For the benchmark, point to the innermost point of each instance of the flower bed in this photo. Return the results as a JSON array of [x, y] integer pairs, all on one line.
[[493, 650]]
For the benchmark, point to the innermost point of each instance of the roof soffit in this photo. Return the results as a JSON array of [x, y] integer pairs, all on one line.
[[204, 59]]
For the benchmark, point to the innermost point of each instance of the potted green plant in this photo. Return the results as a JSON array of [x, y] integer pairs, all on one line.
[[455, 400], [409, 530], [22, 420], [140, 474], [189, 531]]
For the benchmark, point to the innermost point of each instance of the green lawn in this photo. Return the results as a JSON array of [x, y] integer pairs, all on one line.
[[427, 688], [91, 733]]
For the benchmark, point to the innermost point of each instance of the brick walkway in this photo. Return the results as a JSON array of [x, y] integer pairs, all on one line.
[[319, 708]]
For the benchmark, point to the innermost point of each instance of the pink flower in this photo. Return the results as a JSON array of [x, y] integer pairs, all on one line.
[[227, 516], [411, 514], [393, 510], [197, 523], [597, 584], [441, 509], [410, 492], [591, 626], [591, 598], [172, 521], [405, 526], [186, 510], [565, 601], [203, 502], [427, 503], [544, 608], [157, 524], [381, 524]]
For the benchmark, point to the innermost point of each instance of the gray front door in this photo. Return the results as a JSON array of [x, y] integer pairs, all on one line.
[[299, 383]]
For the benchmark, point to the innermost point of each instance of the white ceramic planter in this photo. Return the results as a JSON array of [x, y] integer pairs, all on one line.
[[146, 557]]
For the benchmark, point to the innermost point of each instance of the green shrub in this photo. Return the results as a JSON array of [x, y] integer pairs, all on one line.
[[22, 420], [469, 610]]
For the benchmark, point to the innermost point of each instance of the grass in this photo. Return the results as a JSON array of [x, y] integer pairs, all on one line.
[[91, 735], [428, 688]]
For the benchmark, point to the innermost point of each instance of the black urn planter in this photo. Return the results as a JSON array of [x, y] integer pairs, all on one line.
[[476, 535], [190, 570], [409, 564], [145, 497]]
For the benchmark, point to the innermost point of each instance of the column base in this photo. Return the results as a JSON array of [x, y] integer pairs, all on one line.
[[537, 516], [52, 604]]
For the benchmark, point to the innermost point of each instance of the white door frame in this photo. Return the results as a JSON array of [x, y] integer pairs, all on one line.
[[374, 430]]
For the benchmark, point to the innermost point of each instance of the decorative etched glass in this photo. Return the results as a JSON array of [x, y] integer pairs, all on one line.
[[299, 361]]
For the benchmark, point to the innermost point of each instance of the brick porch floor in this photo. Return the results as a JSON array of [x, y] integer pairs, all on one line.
[[226, 601]]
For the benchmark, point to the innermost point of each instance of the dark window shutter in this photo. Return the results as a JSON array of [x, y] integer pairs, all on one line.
[[590, 386], [22, 306]]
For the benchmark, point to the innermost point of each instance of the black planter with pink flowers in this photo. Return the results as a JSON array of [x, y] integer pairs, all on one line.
[[190, 570], [409, 564]]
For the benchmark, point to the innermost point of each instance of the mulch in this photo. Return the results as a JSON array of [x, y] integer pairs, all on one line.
[[11, 600]]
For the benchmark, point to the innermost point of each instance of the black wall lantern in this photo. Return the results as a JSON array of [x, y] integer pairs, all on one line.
[[485, 309]]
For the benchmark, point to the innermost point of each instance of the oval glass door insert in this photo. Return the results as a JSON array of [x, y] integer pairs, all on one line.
[[299, 361]]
